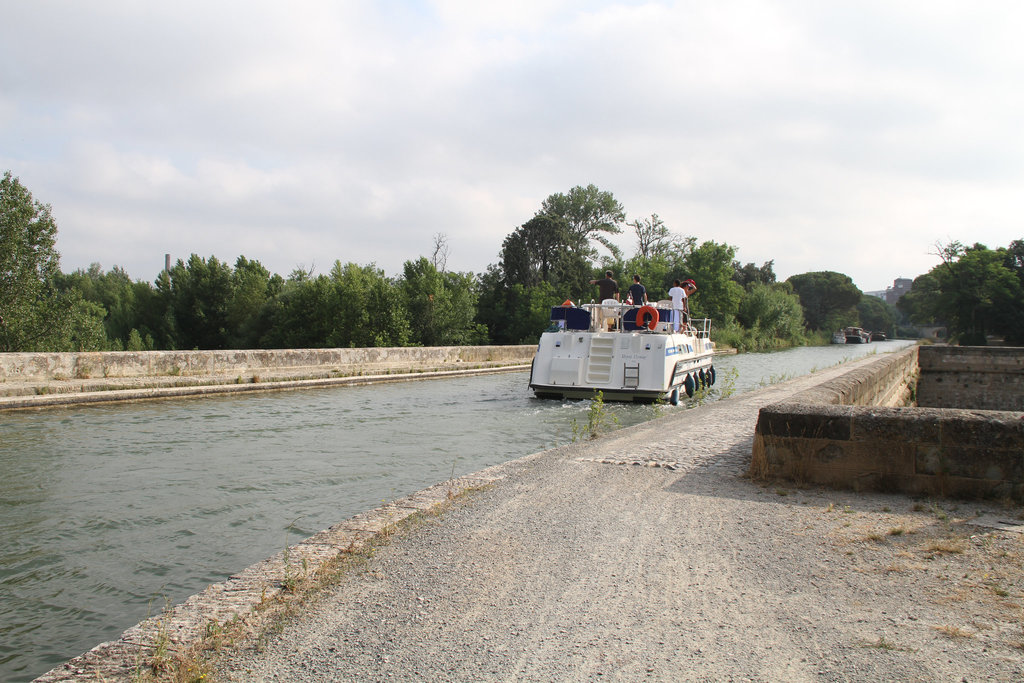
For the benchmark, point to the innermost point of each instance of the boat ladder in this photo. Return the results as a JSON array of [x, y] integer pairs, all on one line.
[[631, 376], [599, 365]]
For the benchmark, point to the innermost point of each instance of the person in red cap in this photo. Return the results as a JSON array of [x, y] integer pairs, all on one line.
[[689, 287]]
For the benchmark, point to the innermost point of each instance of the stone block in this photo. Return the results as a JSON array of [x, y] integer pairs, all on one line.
[[805, 421], [884, 426], [983, 428], [981, 462]]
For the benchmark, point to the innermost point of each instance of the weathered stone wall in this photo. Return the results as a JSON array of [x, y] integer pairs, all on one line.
[[888, 381], [44, 367], [981, 377], [835, 435]]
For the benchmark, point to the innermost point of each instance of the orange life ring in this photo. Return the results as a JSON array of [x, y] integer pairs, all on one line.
[[643, 313]]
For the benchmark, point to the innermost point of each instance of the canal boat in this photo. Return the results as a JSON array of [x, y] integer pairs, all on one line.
[[839, 337], [856, 335], [629, 353]]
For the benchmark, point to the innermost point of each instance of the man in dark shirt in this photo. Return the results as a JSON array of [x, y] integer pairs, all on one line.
[[637, 292], [607, 287]]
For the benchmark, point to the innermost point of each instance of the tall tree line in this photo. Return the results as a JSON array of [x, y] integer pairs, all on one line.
[[975, 291], [207, 303]]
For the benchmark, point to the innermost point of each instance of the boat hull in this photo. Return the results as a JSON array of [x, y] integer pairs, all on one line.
[[635, 366]]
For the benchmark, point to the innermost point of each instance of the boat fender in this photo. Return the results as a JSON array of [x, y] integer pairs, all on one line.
[[711, 372], [644, 312], [689, 385]]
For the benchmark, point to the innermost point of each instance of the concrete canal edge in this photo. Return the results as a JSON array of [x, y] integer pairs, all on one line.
[[40, 380]]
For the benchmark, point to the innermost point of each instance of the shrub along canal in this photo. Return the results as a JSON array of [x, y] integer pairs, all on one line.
[[110, 511]]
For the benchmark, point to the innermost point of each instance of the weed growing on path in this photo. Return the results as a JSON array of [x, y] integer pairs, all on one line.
[[598, 420]]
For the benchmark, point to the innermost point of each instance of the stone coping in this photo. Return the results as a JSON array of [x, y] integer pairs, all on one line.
[[104, 391]]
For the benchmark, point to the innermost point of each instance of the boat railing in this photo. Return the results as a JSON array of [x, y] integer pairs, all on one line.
[[609, 316], [702, 327]]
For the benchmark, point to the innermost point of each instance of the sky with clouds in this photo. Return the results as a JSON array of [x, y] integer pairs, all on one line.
[[824, 135]]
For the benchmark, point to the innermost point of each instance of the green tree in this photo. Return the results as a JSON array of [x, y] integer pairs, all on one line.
[[772, 311], [750, 274], [542, 263], [659, 254], [590, 213], [876, 315], [369, 308], [128, 306], [35, 315], [198, 295], [442, 306], [718, 296], [1011, 323], [919, 303], [975, 291], [516, 314], [301, 316], [829, 299], [545, 249], [251, 287]]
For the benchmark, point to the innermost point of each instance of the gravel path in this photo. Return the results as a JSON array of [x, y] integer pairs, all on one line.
[[580, 564]]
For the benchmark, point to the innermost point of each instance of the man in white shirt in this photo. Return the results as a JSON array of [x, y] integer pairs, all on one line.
[[678, 296]]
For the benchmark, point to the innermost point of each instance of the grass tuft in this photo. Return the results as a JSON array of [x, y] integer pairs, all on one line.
[[953, 631]]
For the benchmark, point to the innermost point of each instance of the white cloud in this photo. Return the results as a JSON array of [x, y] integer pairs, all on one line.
[[823, 136]]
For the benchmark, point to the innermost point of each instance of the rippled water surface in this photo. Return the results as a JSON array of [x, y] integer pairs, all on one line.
[[106, 512]]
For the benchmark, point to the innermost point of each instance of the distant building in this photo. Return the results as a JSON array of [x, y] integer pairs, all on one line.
[[900, 286]]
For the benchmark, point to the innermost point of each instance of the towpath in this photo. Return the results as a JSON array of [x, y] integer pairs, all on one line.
[[578, 564]]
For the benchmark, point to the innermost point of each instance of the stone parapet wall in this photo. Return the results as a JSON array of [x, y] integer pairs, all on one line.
[[49, 367], [982, 377], [932, 451], [888, 381], [826, 436]]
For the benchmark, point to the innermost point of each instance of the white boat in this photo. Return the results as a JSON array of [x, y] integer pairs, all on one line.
[[839, 337], [629, 353]]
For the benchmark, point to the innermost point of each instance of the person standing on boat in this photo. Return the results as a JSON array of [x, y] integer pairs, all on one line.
[[607, 287], [637, 292], [678, 296], [689, 287]]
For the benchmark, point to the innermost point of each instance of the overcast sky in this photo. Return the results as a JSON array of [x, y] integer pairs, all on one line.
[[846, 136]]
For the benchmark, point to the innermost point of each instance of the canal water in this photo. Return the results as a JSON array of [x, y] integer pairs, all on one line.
[[108, 512]]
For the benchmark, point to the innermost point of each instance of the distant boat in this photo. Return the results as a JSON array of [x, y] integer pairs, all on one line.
[[839, 337], [878, 336], [856, 335]]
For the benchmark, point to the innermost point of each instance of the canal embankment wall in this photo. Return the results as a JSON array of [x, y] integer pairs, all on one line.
[[931, 420], [979, 377], [40, 379]]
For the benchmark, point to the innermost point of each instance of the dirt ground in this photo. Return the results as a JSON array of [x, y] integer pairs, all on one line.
[[648, 555]]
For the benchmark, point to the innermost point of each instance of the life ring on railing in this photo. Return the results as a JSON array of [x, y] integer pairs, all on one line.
[[644, 312]]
